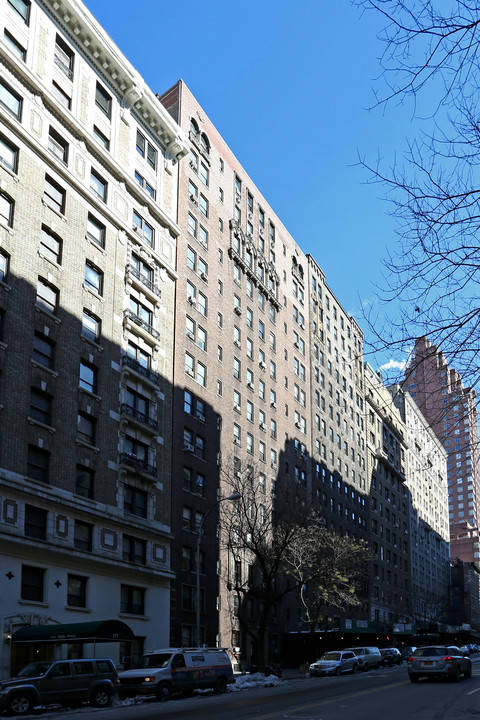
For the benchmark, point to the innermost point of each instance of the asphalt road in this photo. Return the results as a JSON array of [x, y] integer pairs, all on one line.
[[382, 694]]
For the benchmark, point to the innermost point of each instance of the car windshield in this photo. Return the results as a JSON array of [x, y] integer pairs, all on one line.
[[156, 660], [330, 656], [34, 668]]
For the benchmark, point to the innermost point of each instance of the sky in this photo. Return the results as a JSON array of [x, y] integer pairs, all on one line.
[[288, 85]]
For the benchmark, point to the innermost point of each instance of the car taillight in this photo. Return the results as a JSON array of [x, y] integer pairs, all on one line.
[[410, 659], [448, 657]]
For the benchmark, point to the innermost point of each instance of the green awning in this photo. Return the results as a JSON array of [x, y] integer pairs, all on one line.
[[99, 631]]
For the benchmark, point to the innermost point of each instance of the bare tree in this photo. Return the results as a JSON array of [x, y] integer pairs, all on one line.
[[256, 533], [326, 566], [430, 59]]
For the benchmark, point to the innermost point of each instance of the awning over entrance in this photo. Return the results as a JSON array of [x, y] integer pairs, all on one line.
[[99, 631]]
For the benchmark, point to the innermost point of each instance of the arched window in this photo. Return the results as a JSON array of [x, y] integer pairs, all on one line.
[[193, 127], [204, 142]]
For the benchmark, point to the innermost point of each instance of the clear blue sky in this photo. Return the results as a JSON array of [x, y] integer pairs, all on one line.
[[287, 85]]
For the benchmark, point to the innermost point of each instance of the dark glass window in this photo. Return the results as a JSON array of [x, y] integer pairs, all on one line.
[[43, 350], [35, 525], [132, 600], [32, 583], [84, 481], [83, 535], [135, 501], [38, 463], [77, 592]]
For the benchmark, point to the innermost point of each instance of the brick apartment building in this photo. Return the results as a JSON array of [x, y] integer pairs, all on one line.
[[88, 234], [161, 329], [450, 409]]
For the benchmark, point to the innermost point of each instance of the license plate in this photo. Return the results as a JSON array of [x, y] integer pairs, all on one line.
[[428, 662]]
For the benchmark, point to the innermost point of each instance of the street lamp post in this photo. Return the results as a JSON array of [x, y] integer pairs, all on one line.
[[234, 496]]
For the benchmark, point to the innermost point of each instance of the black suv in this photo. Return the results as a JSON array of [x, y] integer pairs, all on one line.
[[60, 682]]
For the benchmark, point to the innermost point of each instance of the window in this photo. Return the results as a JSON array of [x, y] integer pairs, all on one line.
[[142, 357], [61, 95], [192, 225], [50, 245], [83, 536], [84, 481], [204, 173], [32, 583], [91, 326], [63, 57], [136, 448], [203, 237], [134, 550], [142, 228], [98, 185], [135, 501], [93, 278], [203, 205], [35, 523], [22, 7], [145, 184], [8, 154], [40, 406], [10, 100], [86, 428], [103, 100], [88, 376], [57, 145], [95, 231], [43, 350], [6, 209], [101, 138], [54, 195], [132, 600], [146, 150], [77, 591], [38, 461], [4, 261], [47, 296]]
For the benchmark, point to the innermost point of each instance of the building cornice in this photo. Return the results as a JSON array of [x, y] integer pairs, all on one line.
[[129, 85]]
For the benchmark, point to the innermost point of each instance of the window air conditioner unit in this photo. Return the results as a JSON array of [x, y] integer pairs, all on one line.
[[262, 425], [190, 334], [236, 407], [188, 447], [201, 417], [236, 441], [262, 365], [237, 310], [273, 405], [204, 276], [297, 425], [250, 385], [193, 199], [191, 300]]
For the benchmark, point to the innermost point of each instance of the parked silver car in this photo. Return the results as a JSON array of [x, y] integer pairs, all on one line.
[[335, 662], [368, 657], [439, 661]]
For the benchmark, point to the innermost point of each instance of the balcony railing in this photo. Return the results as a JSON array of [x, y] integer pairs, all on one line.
[[145, 419], [138, 463], [139, 368], [144, 280], [141, 323]]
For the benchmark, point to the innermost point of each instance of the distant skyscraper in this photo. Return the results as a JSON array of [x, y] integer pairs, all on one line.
[[451, 411]]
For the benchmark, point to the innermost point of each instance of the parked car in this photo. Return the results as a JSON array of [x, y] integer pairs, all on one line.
[[61, 681], [391, 656], [408, 651], [335, 662], [368, 657], [172, 670], [439, 661]]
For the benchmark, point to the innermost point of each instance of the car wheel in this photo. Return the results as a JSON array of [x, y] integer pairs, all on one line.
[[101, 697], [456, 675], [355, 668], [338, 671], [20, 704], [413, 678], [221, 685], [164, 691], [468, 672]]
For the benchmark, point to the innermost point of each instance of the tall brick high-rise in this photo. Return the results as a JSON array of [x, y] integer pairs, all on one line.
[[450, 409]]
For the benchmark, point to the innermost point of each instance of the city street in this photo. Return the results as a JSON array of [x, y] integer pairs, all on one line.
[[378, 693]]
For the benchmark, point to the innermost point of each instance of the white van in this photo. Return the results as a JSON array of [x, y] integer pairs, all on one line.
[[165, 672]]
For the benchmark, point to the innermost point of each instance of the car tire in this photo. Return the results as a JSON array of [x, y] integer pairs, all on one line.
[[164, 691], [338, 672], [221, 685], [20, 704], [101, 697], [413, 678], [456, 675], [468, 672], [355, 669]]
